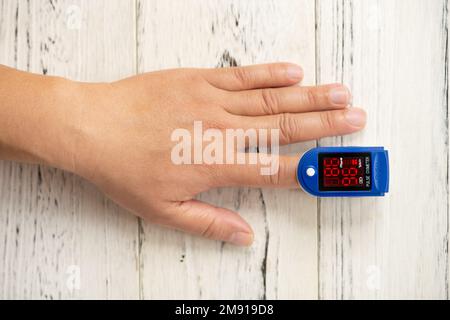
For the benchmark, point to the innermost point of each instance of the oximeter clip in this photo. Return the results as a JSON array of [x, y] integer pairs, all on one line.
[[345, 172]]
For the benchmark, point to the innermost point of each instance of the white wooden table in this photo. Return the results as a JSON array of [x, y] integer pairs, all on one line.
[[60, 238]]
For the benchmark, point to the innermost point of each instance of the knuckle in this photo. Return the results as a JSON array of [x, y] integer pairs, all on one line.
[[272, 70], [327, 121], [211, 124], [288, 127], [311, 97], [273, 179], [219, 123], [242, 76], [209, 231], [270, 102]]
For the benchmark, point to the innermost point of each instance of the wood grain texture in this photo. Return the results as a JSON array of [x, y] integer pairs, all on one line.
[[446, 97], [283, 261], [393, 55], [52, 223]]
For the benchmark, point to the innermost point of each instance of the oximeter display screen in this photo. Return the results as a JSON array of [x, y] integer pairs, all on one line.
[[344, 171]]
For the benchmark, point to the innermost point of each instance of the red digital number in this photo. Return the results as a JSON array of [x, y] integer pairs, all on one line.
[[331, 162], [349, 172], [331, 172], [348, 182], [341, 172]]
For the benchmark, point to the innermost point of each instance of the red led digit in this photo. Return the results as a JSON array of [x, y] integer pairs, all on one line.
[[331, 171], [346, 182], [331, 162], [344, 172], [335, 172], [353, 172]]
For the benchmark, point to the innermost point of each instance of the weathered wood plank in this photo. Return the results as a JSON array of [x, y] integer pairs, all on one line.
[[393, 55], [283, 261], [52, 224], [446, 24]]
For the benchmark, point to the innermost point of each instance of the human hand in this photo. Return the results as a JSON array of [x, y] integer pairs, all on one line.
[[120, 137]]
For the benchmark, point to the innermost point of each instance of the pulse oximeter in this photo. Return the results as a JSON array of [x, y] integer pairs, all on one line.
[[344, 172]]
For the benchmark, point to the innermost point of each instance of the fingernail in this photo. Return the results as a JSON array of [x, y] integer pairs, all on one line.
[[339, 95], [356, 117], [294, 72], [241, 239]]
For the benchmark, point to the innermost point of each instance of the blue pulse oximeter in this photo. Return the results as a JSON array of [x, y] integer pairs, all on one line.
[[345, 172]]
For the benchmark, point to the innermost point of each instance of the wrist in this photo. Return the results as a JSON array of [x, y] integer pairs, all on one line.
[[54, 124], [38, 121], [58, 124], [72, 134]]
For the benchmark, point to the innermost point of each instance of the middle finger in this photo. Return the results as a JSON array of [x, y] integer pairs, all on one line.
[[294, 99]]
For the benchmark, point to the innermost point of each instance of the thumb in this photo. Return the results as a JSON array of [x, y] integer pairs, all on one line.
[[211, 222]]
